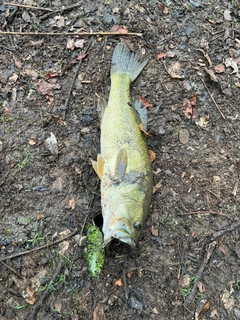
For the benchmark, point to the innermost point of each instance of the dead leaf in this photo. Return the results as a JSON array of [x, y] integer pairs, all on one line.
[[32, 142], [36, 44], [175, 71], [59, 120], [145, 132], [161, 56], [231, 62], [30, 73], [13, 78], [145, 102], [157, 186], [98, 313], [72, 203], [72, 44], [228, 299], [79, 43], [163, 8], [81, 56], [28, 294], [152, 155], [129, 274], [40, 216], [154, 231], [52, 74], [204, 307], [59, 22], [227, 15], [118, 283], [119, 29], [51, 144], [237, 84], [203, 121], [201, 288], [26, 17], [46, 88], [220, 68]]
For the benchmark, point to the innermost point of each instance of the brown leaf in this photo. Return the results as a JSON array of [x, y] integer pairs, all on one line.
[[81, 56], [175, 71], [28, 294], [163, 8], [152, 155], [72, 203], [145, 132], [145, 102], [118, 283], [220, 68], [161, 56], [193, 100], [98, 313], [52, 74], [32, 142], [157, 186], [119, 29], [205, 308], [46, 88], [154, 231], [60, 120]]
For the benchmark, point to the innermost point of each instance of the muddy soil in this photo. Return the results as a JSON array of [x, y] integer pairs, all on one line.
[[186, 265]]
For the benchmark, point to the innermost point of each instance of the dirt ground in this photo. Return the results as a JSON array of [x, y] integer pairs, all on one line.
[[186, 265]]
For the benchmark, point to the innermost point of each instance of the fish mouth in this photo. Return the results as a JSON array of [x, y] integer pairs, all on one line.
[[119, 230]]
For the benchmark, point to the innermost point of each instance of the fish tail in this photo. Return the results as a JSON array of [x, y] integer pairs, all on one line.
[[125, 62]]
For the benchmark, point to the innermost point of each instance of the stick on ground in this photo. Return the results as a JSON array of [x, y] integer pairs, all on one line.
[[39, 304]]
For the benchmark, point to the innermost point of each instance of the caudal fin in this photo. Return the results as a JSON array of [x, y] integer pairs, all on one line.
[[123, 61]]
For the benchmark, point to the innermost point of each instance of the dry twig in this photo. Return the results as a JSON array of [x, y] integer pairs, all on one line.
[[82, 34], [215, 103], [73, 81], [18, 254], [230, 228], [199, 273], [39, 304], [26, 6]]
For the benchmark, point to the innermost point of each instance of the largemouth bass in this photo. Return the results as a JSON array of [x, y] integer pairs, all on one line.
[[124, 165]]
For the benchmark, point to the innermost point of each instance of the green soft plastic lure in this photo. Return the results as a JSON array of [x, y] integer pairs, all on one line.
[[95, 250]]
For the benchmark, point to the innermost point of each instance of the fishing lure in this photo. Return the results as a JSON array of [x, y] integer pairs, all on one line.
[[95, 250]]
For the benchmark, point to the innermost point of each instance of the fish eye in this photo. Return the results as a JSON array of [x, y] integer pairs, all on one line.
[[137, 226]]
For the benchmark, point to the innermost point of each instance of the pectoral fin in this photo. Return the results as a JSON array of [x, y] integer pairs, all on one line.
[[98, 166], [101, 106], [121, 165]]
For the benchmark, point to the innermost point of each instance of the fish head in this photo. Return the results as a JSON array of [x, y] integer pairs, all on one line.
[[124, 223]]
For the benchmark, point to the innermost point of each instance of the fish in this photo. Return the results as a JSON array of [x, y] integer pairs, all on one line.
[[124, 164]]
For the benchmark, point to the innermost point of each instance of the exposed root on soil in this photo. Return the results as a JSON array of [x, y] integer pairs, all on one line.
[[202, 267], [18, 254], [46, 293], [73, 81]]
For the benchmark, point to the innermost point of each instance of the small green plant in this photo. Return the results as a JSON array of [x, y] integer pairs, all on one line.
[[237, 285], [20, 307], [36, 239], [61, 280], [108, 2], [186, 291], [24, 162]]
